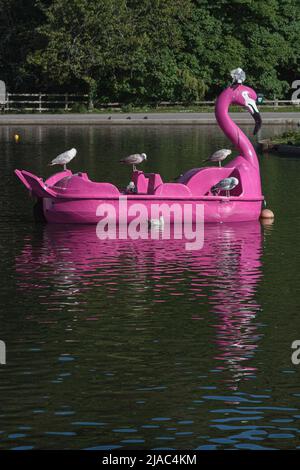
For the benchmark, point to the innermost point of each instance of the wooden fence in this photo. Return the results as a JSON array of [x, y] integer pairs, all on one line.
[[51, 102], [40, 102]]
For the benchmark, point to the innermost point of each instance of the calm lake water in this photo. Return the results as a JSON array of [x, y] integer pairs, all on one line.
[[142, 344]]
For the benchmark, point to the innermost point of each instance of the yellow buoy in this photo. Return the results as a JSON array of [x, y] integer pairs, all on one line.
[[16, 138], [267, 214]]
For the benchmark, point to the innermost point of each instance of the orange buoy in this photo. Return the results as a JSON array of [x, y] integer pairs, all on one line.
[[267, 214], [266, 222]]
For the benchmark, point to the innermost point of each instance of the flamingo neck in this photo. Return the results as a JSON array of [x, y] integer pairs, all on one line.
[[231, 130]]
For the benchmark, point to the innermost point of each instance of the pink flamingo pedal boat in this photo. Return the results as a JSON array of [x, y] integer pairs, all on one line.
[[73, 198]]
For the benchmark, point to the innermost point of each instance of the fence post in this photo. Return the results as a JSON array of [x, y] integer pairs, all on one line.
[[40, 102], [7, 102], [2, 95], [91, 104], [66, 102]]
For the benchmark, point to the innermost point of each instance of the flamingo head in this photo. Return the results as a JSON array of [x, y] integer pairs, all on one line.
[[246, 97]]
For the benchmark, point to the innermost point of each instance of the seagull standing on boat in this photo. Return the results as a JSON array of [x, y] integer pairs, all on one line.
[[219, 156], [134, 159], [64, 158], [227, 184], [130, 188]]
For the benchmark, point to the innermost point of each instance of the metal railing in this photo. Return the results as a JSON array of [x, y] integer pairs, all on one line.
[[45, 102]]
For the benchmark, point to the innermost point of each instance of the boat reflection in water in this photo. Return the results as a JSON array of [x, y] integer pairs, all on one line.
[[237, 257], [69, 262]]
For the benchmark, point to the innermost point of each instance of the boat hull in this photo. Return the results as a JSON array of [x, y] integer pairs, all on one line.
[[125, 210]]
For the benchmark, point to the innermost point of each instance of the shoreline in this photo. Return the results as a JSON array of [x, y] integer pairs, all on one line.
[[144, 119]]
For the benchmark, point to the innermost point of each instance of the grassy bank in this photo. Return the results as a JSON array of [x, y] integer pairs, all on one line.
[[287, 138]]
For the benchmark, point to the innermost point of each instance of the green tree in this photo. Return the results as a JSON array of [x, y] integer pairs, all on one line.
[[131, 51], [85, 41], [18, 20], [148, 50], [267, 32]]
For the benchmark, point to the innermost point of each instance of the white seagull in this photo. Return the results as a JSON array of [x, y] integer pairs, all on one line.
[[227, 184], [131, 188], [134, 159], [64, 158], [157, 222], [219, 156]]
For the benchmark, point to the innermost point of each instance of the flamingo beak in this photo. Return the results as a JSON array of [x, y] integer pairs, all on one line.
[[258, 122], [252, 107]]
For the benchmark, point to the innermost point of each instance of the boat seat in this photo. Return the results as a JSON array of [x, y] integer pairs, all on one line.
[[237, 191], [140, 182], [173, 190], [146, 183], [74, 185], [154, 182], [200, 180]]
